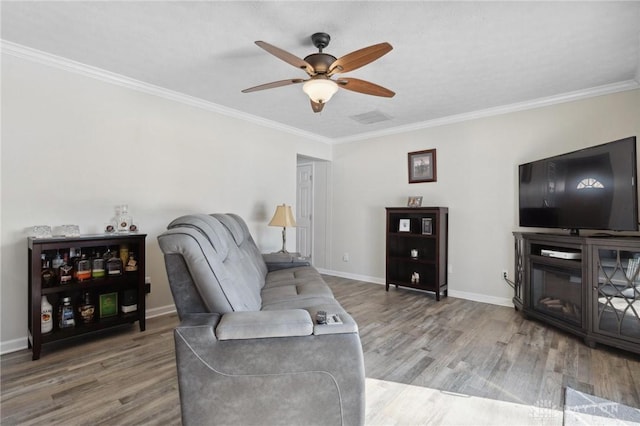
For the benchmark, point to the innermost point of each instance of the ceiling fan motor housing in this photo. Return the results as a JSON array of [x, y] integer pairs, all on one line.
[[320, 62]]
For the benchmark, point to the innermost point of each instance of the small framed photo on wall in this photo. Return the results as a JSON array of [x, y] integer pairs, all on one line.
[[422, 166]]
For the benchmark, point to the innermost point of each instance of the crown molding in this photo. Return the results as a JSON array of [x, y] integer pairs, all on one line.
[[505, 109], [44, 58], [48, 59]]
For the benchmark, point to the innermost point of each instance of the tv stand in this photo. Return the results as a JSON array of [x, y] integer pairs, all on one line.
[[590, 286]]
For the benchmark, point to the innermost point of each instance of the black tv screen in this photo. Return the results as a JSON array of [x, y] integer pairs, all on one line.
[[593, 188]]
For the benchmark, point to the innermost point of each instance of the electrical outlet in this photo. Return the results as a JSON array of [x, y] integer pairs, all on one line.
[[345, 257], [505, 274]]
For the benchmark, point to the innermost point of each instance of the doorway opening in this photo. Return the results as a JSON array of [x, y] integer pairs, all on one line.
[[312, 211]]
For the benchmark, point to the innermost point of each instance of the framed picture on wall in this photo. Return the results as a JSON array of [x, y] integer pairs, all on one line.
[[422, 166], [404, 225]]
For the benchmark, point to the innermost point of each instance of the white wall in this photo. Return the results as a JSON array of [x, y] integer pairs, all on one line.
[[477, 179], [73, 147]]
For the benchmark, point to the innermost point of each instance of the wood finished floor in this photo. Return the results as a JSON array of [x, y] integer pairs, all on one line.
[[455, 345]]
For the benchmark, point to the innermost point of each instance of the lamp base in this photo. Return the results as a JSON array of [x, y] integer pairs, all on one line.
[[284, 241]]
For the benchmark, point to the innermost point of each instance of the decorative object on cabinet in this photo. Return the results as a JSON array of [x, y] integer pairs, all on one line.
[[66, 286], [40, 231], [427, 226], [414, 201], [422, 166], [122, 222], [66, 231], [414, 259], [588, 288]]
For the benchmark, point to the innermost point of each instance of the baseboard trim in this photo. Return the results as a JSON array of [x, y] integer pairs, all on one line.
[[350, 276], [23, 342], [14, 345], [162, 310], [475, 297]]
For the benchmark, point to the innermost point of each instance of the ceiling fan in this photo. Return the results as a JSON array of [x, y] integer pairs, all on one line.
[[320, 87]]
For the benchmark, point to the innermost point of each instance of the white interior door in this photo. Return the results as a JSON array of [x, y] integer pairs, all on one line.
[[304, 208]]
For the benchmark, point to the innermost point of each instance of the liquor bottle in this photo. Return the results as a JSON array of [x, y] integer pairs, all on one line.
[[114, 266], [132, 263], [86, 308], [66, 318], [97, 266], [108, 254], [48, 277], [83, 268], [124, 254], [56, 263], [46, 316], [65, 272]]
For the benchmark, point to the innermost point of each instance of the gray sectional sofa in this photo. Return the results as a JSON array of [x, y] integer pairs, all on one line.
[[249, 350]]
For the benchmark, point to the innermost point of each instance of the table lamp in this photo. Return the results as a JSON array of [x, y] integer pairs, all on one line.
[[283, 217]]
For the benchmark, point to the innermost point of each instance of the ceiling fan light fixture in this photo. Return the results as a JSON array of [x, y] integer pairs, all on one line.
[[320, 90]]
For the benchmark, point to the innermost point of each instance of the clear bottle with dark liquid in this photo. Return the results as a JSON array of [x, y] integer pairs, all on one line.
[[114, 266], [86, 309], [47, 274], [65, 272]]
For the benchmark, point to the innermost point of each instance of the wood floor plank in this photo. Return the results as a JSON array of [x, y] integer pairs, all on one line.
[[460, 350]]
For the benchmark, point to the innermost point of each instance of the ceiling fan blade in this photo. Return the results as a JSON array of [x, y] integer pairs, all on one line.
[[287, 57], [362, 86], [359, 58], [316, 106], [273, 85]]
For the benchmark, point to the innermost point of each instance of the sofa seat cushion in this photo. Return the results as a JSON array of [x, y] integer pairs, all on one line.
[[300, 303], [286, 293], [299, 273]]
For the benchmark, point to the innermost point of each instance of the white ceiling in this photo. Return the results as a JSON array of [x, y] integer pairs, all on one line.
[[450, 59]]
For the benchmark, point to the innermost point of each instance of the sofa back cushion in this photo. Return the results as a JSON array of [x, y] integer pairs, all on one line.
[[252, 257], [214, 263]]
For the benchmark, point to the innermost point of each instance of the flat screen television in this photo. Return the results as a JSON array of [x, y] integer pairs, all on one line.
[[593, 188]]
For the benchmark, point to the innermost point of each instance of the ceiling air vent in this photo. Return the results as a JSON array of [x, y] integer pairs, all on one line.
[[370, 117]]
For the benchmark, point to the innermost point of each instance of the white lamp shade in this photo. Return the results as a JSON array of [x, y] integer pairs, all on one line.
[[283, 217], [320, 90]]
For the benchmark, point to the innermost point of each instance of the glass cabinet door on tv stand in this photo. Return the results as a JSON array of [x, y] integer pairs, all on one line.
[[595, 295], [616, 292]]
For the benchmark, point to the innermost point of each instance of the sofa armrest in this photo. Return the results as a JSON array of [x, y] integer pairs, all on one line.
[[310, 380], [277, 261], [264, 324]]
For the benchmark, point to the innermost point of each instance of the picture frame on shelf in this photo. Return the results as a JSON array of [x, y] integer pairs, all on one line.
[[404, 225], [422, 166], [427, 226], [415, 201], [108, 304]]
